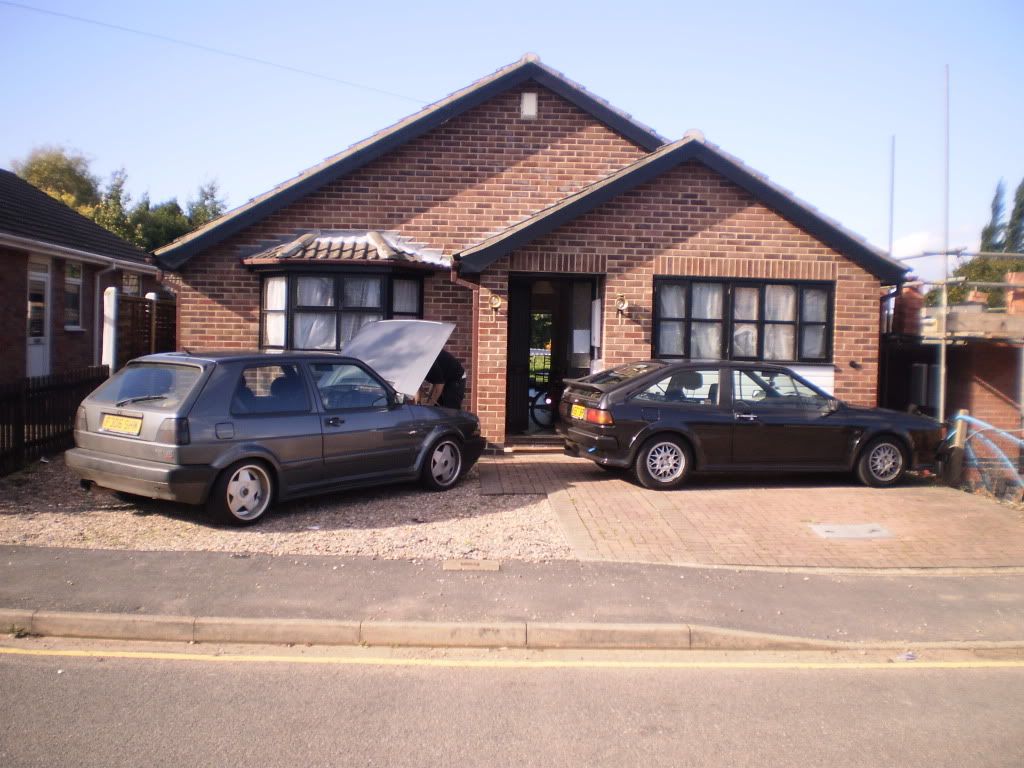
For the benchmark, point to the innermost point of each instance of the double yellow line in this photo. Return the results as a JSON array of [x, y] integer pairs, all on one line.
[[517, 663]]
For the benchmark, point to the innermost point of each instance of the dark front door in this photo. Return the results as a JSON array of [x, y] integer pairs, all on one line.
[[550, 338]]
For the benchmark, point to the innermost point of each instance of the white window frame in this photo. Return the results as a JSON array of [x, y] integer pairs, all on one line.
[[78, 281]]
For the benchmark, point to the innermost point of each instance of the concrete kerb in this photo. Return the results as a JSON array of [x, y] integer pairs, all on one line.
[[514, 634]]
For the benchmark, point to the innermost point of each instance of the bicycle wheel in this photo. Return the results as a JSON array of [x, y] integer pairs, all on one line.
[[542, 410]]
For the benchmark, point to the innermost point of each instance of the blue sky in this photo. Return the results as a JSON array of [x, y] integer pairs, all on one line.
[[807, 93]]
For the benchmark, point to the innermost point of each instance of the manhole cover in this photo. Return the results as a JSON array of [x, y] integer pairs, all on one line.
[[470, 565], [864, 531]]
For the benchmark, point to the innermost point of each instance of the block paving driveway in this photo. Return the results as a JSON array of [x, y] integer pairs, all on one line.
[[763, 521]]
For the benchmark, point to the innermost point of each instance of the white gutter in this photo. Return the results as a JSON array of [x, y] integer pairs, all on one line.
[[63, 252]]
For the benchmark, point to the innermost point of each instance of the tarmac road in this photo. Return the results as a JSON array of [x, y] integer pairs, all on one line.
[[197, 705]]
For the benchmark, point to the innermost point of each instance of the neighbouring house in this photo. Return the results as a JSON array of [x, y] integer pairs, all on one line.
[[54, 267], [557, 232]]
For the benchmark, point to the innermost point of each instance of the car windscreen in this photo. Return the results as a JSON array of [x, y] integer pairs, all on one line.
[[154, 385], [614, 376]]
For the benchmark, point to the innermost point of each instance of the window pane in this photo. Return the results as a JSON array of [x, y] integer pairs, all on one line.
[[707, 301], [812, 341], [353, 321], [780, 302], [131, 284], [705, 341], [671, 300], [362, 292], [314, 330], [744, 340], [744, 303], [273, 329], [405, 297], [685, 388], [315, 292], [72, 304], [343, 385], [670, 338], [779, 342], [72, 270], [270, 389], [815, 305], [274, 293]]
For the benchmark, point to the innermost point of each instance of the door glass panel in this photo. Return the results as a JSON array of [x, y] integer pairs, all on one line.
[[344, 385], [36, 308], [579, 340], [773, 388]]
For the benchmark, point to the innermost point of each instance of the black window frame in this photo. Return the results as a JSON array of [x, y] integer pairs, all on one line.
[[338, 309], [730, 284]]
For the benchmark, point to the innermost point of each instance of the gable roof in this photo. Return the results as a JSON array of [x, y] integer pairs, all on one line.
[[177, 253], [477, 258], [348, 245], [29, 216]]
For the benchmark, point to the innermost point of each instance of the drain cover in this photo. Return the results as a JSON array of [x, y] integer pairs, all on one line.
[[470, 565], [864, 531]]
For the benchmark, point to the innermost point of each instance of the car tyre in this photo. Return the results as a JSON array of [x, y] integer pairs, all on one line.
[[663, 463], [443, 465], [882, 463], [243, 493]]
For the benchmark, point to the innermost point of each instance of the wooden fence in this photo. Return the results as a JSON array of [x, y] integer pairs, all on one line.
[[37, 415], [143, 327]]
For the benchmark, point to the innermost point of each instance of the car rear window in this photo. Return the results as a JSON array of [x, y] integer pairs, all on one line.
[[621, 373], [153, 385]]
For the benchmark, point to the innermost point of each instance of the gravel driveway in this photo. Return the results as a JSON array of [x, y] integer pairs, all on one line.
[[43, 506]]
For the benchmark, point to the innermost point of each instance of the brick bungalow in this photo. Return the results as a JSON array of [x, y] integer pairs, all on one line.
[[523, 207], [54, 266]]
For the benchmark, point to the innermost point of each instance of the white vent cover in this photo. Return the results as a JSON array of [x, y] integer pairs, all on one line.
[[528, 109]]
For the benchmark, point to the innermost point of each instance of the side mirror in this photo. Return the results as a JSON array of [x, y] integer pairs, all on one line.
[[833, 405]]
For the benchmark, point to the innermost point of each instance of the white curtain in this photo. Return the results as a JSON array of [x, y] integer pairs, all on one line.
[[779, 342], [812, 341], [744, 340], [671, 300], [744, 304], [362, 292], [815, 305], [707, 301], [275, 292], [273, 329], [705, 340], [405, 297], [315, 292], [315, 330], [353, 321], [670, 338], [780, 302]]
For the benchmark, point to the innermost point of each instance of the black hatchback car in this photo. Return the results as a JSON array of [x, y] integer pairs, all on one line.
[[664, 419]]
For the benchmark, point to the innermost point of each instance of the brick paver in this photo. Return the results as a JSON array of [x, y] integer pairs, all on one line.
[[739, 521]]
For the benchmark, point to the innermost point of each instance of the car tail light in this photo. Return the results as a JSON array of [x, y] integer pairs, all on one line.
[[173, 431], [81, 422], [597, 416]]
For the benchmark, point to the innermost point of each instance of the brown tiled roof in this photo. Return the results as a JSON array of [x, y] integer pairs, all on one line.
[[349, 245], [28, 212]]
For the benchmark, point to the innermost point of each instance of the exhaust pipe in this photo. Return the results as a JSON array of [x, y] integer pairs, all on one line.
[[86, 485]]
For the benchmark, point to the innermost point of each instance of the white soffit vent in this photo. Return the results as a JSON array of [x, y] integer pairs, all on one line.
[[528, 108]]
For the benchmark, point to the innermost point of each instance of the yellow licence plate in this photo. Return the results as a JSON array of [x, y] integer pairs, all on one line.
[[578, 411], [123, 425]]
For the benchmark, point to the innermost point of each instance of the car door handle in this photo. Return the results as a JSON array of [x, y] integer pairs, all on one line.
[[745, 416], [334, 421]]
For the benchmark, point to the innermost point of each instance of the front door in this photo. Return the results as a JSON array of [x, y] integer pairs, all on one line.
[[37, 362], [550, 338]]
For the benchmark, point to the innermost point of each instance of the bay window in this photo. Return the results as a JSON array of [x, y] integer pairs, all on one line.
[[743, 320], [319, 311]]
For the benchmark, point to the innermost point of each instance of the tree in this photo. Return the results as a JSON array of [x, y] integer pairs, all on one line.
[[157, 225], [112, 211], [207, 206], [62, 174], [1013, 241], [993, 233]]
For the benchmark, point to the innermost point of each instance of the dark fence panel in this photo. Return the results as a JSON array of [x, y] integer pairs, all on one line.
[[37, 415]]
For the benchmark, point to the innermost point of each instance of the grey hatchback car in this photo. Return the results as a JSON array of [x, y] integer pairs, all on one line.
[[238, 431]]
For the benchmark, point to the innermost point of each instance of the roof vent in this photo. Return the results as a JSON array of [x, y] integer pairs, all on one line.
[[694, 133], [528, 107]]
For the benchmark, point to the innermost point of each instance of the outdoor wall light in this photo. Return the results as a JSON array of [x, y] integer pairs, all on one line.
[[495, 303], [621, 304]]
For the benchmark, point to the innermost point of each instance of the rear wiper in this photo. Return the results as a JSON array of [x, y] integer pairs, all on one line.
[[139, 399]]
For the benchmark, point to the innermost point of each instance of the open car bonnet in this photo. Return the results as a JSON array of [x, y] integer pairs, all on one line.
[[401, 351]]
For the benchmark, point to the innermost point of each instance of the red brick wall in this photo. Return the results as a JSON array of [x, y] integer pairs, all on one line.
[[473, 176], [13, 298], [984, 378], [690, 221]]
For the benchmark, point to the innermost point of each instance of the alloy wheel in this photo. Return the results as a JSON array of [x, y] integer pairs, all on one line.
[[885, 462], [665, 462], [445, 463], [248, 492]]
